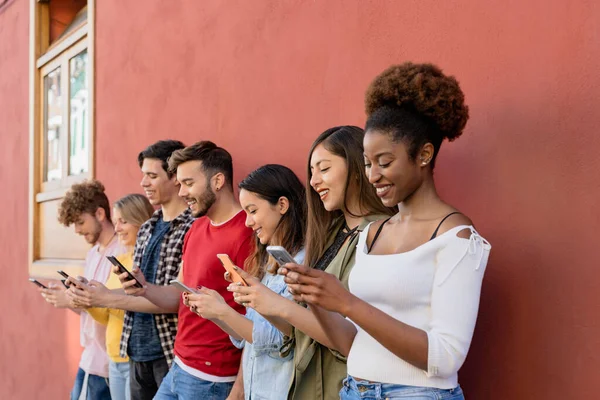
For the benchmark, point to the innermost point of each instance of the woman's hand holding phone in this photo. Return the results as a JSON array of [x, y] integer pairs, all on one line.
[[256, 295], [316, 287]]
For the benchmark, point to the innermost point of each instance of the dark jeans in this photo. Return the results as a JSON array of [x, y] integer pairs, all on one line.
[[146, 377], [97, 387]]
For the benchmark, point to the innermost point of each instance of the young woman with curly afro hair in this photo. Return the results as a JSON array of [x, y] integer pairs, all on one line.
[[407, 320]]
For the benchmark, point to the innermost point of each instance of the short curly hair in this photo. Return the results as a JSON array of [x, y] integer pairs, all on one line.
[[417, 104], [84, 197]]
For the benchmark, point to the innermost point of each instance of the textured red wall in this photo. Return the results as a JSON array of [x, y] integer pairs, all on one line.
[[39, 346], [264, 78]]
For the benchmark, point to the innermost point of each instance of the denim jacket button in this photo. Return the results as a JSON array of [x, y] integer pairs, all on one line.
[[362, 389]]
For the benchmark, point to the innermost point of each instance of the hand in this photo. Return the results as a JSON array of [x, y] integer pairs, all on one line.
[[56, 295], [316, 287], [257, 296], [92, 294], [128, 284], [207, 303]]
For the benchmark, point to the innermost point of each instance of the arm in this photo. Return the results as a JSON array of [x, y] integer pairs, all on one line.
[[164, 299], [210, 304], [99, 314], [339, 330], [237, 391], [278, 310], [441, 350], [95, 294]]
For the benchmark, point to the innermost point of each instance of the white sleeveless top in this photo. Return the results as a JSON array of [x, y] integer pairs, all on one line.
[[434, 287]]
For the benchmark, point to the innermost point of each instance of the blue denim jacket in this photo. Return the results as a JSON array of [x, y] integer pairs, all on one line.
[[266, 374]]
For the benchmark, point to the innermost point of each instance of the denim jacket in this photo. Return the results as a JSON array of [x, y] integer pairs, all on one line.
[[267, 375]]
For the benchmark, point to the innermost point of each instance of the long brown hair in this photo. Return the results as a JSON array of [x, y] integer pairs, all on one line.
[[345, 142], [271, 182]]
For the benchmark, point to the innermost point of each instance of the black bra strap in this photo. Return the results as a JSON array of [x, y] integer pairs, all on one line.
[[440, 224], [377, 234]]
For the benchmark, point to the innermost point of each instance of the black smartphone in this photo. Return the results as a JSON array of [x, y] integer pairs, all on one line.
[[66, 276], [122, 269], [35, 281]]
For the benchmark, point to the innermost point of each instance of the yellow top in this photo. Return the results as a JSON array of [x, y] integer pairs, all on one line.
[[112, 317]]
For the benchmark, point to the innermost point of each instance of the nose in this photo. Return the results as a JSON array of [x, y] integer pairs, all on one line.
[[249, 221], [315, 179], [144, 181], [77, 229], [118, 227], [183, 192], [373, 173]]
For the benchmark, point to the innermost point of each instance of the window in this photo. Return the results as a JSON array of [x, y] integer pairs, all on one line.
[[61, 127]]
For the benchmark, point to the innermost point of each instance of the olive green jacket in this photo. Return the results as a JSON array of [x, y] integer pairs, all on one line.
[[319, 371]]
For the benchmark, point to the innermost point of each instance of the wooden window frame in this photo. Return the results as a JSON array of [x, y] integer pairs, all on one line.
[[44, 58]]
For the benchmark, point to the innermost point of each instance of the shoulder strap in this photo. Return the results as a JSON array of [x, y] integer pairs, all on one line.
[[440, 224], [377, 234]]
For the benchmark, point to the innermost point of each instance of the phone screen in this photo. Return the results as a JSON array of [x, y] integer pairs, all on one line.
[[115, 261]]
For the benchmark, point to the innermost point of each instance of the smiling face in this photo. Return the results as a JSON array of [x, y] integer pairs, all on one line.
[[261, 216], [195, 188], [126, 231], [390, 169], [88, 226], [329, 173], [158, 187]]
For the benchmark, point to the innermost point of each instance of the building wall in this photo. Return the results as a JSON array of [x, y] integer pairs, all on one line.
[[38, 344], [263, 79]]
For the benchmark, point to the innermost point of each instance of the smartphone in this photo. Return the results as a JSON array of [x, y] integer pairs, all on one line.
[[280, 255], [182, 287], [114, 261], [35, 281], [66, 276], [228, 265]]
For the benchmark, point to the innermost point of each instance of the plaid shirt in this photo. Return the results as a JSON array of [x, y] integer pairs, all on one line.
[[171, 250]]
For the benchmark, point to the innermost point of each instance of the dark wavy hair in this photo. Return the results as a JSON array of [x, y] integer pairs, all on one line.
[[271, 182], [161, 150], [416, 104]]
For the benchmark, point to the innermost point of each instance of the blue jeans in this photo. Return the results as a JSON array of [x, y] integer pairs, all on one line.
[[179, 385], [363, 390], [97, 387], [118, 380]]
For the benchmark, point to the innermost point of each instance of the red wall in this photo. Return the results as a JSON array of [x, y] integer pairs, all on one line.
[[263, 79], [38, 344]]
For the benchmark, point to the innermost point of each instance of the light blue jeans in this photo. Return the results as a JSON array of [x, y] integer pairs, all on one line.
[[363, 390], [118, 380], [179, 385]]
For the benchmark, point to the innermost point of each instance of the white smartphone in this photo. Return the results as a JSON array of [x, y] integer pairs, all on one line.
[[183, 288], [280, 255]]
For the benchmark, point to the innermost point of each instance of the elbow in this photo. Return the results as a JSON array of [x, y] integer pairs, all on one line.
[[444, 360]]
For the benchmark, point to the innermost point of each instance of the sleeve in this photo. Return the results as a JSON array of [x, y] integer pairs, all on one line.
[[100, 315], [455, 303], [240, 344], [266, 338]]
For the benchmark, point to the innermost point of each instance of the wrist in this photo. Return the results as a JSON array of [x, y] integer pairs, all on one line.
[[348, 305]]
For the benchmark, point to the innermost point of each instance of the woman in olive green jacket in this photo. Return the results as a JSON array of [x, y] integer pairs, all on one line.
[[340, 204]]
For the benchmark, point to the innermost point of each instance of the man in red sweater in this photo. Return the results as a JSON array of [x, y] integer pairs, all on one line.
[[206, 362]]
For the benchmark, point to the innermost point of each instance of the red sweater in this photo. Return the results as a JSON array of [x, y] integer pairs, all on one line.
[[200, 343]]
